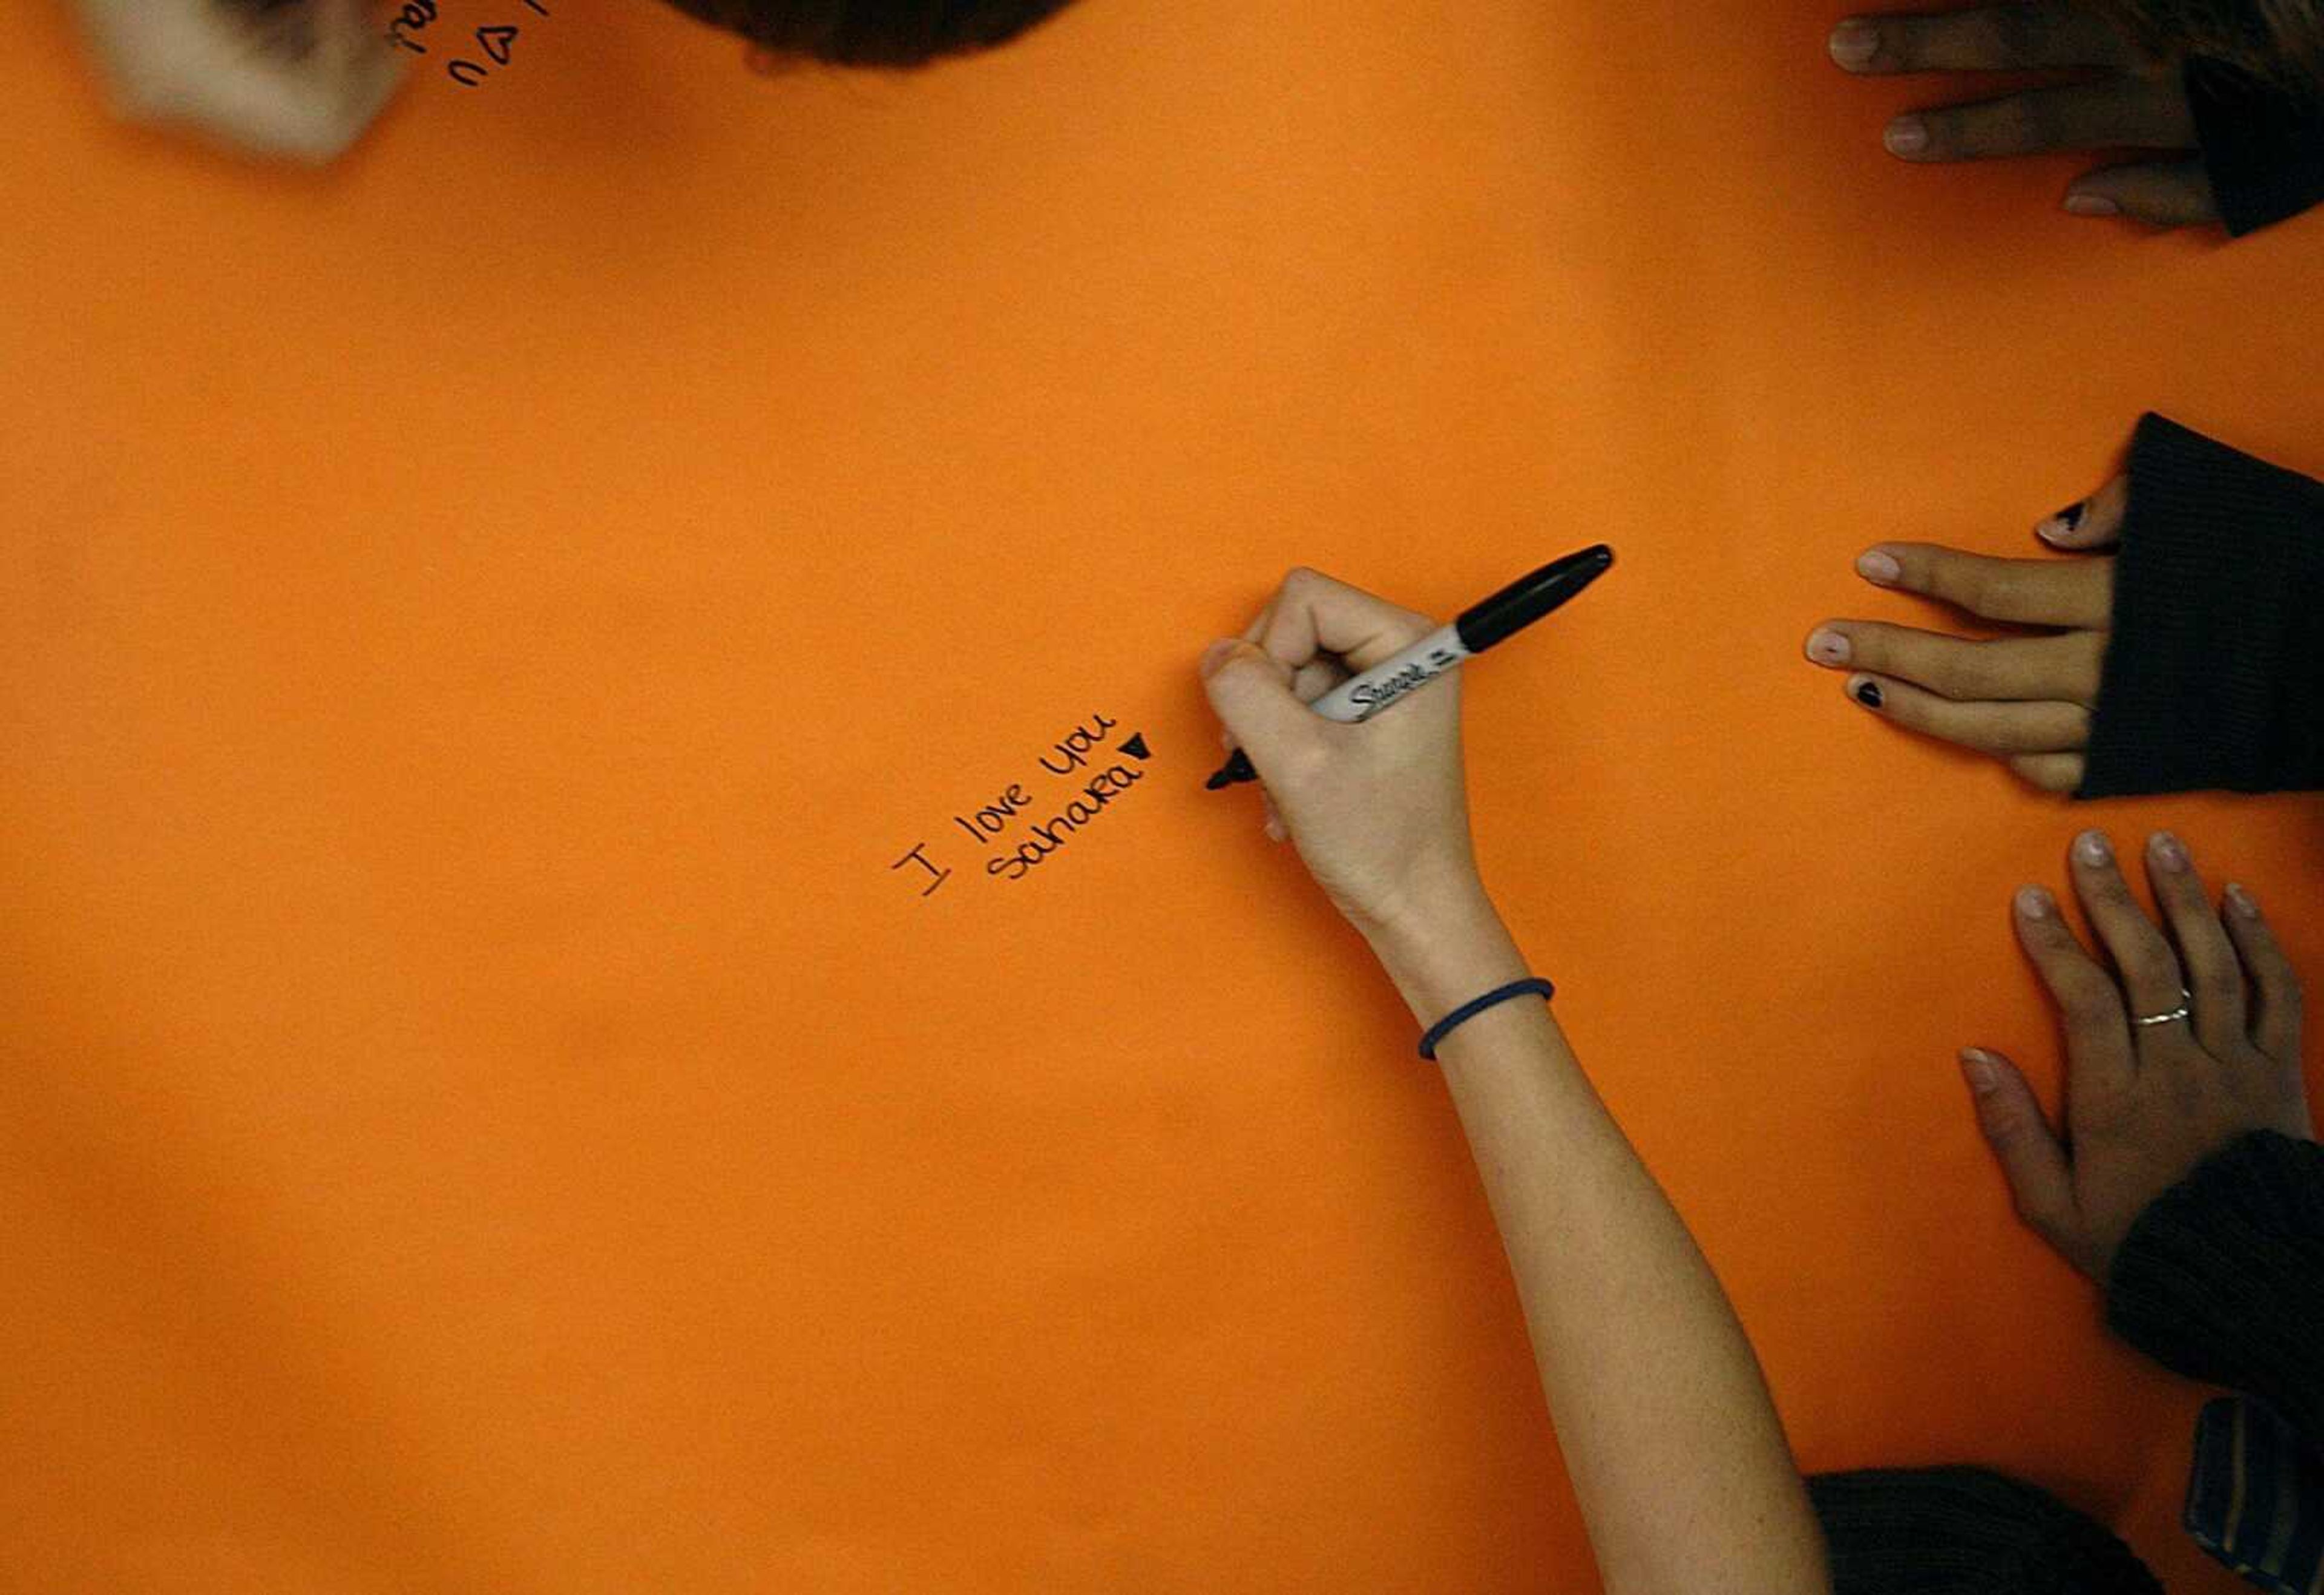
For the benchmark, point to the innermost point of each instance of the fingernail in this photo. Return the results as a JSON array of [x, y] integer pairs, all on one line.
[[1854, 44], [2091, 204], [1983, 1078], [1877, 565], [2242, 901], [1868, 693], [1215, 656], [2169, 851], [2036, 903], [2092, 848], [1828, 646], [2064, 524], [1907, 136]]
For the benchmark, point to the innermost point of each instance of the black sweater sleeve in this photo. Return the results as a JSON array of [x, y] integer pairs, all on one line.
[[2214, 676], [2222, 1277], [2264, 146]]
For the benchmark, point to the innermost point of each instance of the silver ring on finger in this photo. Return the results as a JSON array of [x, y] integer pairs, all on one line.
[[2186, 1001]]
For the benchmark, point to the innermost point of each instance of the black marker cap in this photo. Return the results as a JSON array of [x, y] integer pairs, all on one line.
[[1522, 603]]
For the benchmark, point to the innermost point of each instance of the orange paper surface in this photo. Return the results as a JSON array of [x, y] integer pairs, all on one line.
[[481, 1110]]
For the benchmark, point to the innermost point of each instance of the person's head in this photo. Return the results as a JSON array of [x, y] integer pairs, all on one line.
[[873, 33], [2278, 40]]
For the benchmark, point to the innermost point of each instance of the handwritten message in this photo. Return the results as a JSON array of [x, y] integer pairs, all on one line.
[[1021, 827], [495, 40]]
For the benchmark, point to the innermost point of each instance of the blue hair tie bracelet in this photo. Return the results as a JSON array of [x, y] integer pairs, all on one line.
[[1469, 1011]]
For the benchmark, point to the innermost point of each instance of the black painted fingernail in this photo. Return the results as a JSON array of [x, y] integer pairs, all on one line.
[[1868, 693], [2065, 522]]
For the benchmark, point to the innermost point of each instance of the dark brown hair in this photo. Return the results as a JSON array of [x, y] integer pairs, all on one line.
[[2281, 41], [873, 33]]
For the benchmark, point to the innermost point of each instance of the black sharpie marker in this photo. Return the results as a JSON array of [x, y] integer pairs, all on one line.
[[1503, 615]]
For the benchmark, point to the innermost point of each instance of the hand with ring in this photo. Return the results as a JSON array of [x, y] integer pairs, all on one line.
[[2190, 1042]]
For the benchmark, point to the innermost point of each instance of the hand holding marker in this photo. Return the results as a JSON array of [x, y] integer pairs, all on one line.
[[1503, 615]]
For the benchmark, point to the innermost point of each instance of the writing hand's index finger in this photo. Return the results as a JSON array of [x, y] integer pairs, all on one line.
[[1315, 615]]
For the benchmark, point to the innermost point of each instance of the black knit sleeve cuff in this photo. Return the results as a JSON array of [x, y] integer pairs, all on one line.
[[2222, 1277], [2264, 146], [2214, 676]]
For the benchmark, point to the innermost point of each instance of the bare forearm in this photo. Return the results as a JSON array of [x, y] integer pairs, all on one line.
[[1676, 1451]]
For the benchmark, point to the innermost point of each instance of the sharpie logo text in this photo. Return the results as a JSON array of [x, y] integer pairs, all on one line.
[[1373, 696]]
